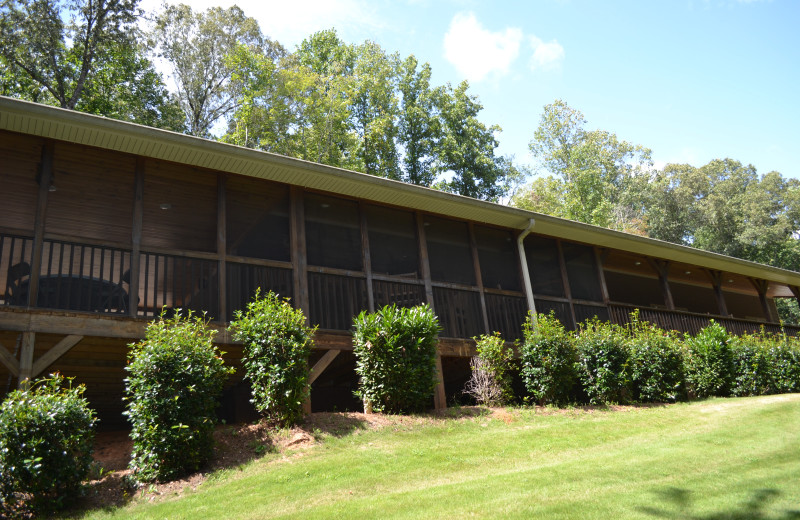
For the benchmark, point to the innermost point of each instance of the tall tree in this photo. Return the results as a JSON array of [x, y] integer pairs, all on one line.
[[198, 46], [55, 47], [594, 172], [466, 149], [419, 128], [374, 109]]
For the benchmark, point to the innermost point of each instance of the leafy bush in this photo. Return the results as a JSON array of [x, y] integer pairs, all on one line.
[[548, 360], [46, 442], [752, 365], [784, 356], [395, 351], [656, 363], [603, 362], [709, 362], [277, 344], [175, 377], [490, 382]]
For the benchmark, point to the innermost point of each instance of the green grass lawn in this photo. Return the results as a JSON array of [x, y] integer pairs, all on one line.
[[723, 458]]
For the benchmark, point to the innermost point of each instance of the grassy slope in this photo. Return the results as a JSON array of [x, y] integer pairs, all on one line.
[[734, 458]]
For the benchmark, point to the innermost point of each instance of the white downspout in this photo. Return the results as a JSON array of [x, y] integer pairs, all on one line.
[[526, 277]]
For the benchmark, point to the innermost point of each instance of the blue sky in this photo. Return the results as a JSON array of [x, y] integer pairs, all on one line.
[[693, 80]]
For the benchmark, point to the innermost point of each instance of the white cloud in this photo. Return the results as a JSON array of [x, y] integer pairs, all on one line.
[[477, 52], [546, 56], [291, 22]]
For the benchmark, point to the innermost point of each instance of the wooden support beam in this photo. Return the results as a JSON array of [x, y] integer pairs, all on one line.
[[762, 286], [366, 258], [439, 396], [320, 366], [50, 357], [476, 265], [565, 281], [222, 230], [45, 179], [599, 259], [136, 237], [9, 361], [662, 269], [424, 264], [26, 359], [298, 246], [716, 278]]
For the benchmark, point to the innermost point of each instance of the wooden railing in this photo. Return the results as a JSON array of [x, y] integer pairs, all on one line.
[[692, 323], [335, 299], [178, 282], [459, 312], [244, 279], [506, 314]]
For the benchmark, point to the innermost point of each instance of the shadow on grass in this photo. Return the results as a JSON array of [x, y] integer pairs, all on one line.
[[335, 424], [680, 504]]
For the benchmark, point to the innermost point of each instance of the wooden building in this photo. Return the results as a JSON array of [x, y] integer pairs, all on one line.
[[104, 223]]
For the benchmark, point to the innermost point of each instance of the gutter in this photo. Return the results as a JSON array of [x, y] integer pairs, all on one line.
[[526, 277]]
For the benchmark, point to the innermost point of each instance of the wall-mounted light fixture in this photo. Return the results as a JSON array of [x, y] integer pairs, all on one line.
[[165, 205]]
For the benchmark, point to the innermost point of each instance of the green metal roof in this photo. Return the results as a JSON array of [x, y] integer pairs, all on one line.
[[76, 127]]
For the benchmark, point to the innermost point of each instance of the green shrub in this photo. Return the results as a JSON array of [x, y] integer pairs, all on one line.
[[277, 344], [175, 377], [752, 364], [490, 381], [549, 360], [709, 362], [395, 351], [603, 362], [656, 363], [46, 442], [785, 365]]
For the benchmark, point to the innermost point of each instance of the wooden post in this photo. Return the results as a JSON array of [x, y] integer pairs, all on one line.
[[439, 396], [45, 180], [565, 281], [26, 359], [136, 237], [424, 264], [599, 260], [222, 248], [476, 265], [298, 244], [366, 258], [716, 284]]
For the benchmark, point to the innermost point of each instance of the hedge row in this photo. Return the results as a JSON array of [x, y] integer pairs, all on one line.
[[604, 363]]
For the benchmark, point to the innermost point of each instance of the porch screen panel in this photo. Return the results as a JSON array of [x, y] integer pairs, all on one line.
[[694, 298], [498, 258], [257, 219], [94, 192], [20, 156], [634, 290], [244, 279], [335, 300], [560, 310], [177, 282], [449, 251], [544, 266], [588, 312], [582, 272], [180, 207], [506, 314], [16, 253], [392, 242], [333, 232], [459, 312], [397, 293], [744, 306]]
